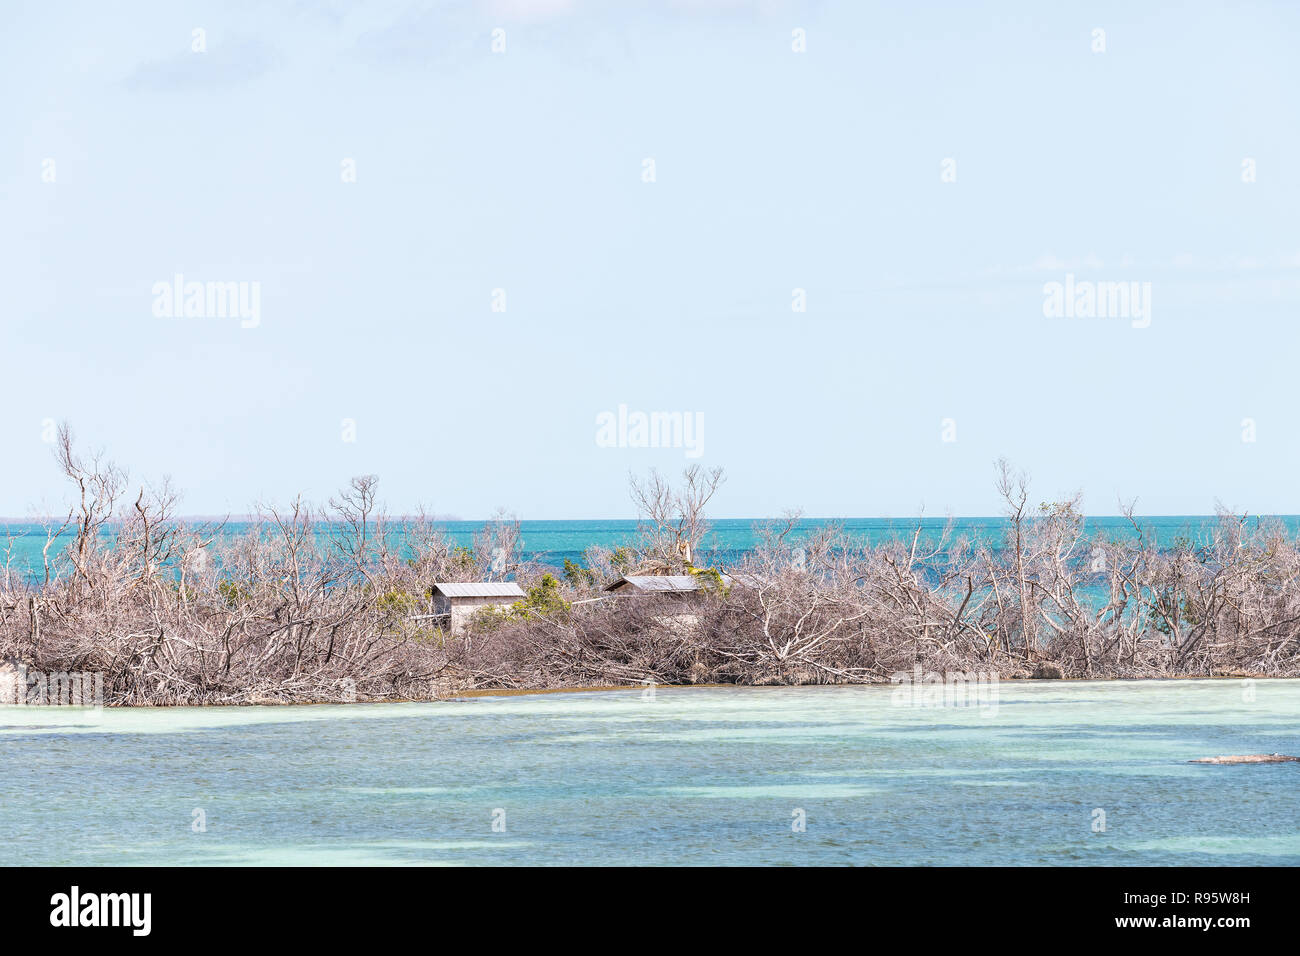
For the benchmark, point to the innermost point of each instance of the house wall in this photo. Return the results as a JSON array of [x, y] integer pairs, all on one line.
[[464, 608]]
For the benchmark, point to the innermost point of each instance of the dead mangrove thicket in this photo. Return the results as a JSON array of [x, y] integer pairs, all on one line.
[[334, 603]]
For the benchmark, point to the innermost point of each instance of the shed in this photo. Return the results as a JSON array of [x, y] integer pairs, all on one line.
[[676, 585], [462, 599]]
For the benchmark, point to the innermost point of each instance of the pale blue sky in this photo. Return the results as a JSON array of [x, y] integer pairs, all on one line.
[[775, 170]]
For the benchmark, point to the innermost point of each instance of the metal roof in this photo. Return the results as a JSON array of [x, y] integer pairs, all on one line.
[[479, 589], [664, 582]]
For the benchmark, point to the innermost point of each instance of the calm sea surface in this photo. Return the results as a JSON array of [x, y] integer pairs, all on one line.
[[551, 542], [693, 776]]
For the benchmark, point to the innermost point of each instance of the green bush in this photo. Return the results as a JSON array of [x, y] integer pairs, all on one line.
[[396, 603], [543, 599], [234, 593], [710, 580], [578, 576]]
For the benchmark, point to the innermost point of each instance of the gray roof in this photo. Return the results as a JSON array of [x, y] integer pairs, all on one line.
[[500, 589], [664, 582]]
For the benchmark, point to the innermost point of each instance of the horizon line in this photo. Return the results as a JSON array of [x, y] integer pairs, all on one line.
[[247, 518]]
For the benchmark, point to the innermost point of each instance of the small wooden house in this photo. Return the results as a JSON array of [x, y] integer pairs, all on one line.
[[678, 586], [683, 590], [461, 600]]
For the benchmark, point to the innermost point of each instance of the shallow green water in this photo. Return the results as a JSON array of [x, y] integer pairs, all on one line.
[[697, 776]]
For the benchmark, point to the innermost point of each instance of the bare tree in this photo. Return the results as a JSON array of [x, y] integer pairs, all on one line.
[[313, 603], [99, 484], [672, 523], [355, 510], [497, 545], [1014, 491]]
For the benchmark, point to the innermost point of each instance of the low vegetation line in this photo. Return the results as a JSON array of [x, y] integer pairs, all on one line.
[[339, 602]]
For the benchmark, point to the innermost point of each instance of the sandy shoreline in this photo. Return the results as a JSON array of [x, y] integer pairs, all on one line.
[[533, 691]]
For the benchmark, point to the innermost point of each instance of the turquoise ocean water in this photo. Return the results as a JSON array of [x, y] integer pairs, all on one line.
[[692, 776], [551, 542]]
